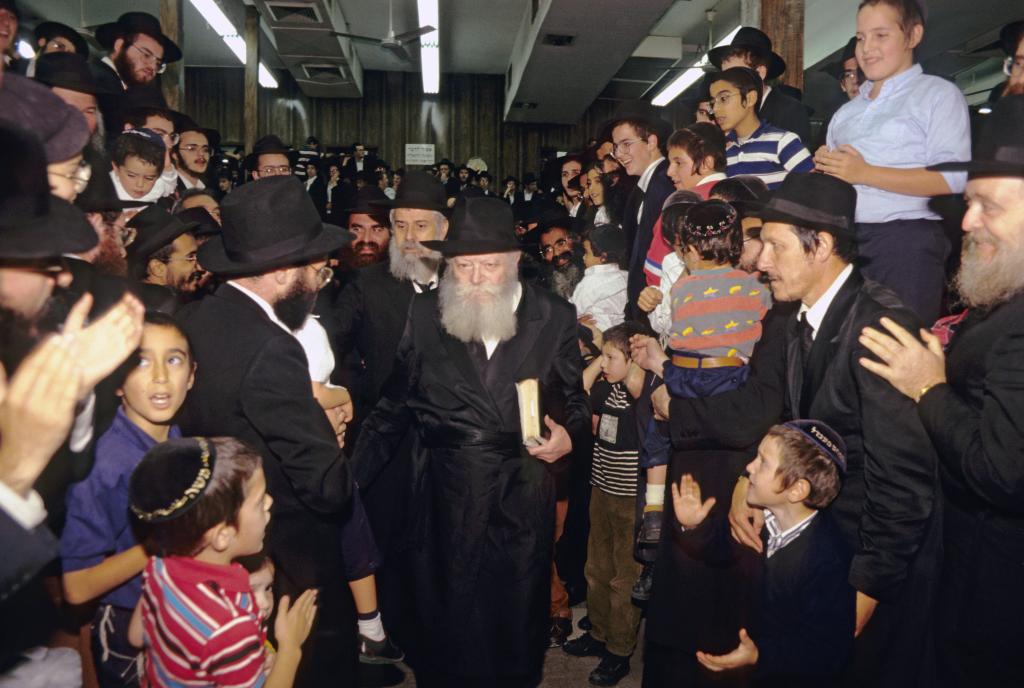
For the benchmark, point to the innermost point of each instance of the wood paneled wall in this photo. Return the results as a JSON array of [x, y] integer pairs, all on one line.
[[463, 121]]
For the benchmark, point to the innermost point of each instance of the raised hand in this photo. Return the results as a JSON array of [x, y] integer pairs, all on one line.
[[105, 343], [690, 511]]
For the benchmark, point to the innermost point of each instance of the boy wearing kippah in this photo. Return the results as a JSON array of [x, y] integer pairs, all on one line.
[[203, 503], [806, 619], [137, 161]]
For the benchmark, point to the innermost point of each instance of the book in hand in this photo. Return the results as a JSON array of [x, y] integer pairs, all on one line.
[[528, 392]]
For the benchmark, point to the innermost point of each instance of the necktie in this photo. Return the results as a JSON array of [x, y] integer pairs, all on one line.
[[806, 338]]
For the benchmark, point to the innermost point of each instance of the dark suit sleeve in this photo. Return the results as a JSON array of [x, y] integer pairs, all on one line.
[[277, 399], [710, 541], [982, 447], [25, 553], [566, 380], [349, 310], [383, 430], [739, 419], [900, 475]]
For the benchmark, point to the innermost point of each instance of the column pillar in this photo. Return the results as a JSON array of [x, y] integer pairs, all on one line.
[[750, 13], [783, 21], [251, 113], [173, 80]]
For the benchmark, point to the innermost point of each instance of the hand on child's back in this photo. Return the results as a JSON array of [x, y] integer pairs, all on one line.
[[294, 621]]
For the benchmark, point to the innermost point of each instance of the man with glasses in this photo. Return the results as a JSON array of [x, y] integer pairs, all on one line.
[[162, 258], [270, 157], [1012, 38], [191, 158], [138, 51], [563, 260]]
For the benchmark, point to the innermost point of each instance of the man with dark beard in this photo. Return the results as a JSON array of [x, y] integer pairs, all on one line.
[[138, 51], [370, 229], [253, 382], [483, 503], [162, 259], [970, 398], [558, 249]]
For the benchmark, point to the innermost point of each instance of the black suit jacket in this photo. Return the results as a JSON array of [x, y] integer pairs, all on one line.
[[342, 197], [349, 170], [318, 192], [786, 113], [252, 382], [25, 553], [119, 100], [639, 234]]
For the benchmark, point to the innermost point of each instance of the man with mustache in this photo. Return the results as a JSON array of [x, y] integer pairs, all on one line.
[[563, 261], [970, 398], [370, 228], [191, 157], [162, 258], [483, 502], [253, 382]]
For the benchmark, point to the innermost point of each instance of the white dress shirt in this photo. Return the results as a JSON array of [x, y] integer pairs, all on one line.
[[816, 313]]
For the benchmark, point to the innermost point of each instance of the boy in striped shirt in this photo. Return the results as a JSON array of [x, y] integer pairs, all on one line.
[[753, 147], [203, 503]]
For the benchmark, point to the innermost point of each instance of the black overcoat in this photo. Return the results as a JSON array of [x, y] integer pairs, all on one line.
[[484, 508], [789, 114]]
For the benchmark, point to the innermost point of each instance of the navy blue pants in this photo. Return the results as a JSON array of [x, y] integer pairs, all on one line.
[[687, 383], [909, 257], [358, 548]]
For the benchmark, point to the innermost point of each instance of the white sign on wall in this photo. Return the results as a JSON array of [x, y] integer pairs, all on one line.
[[419, 154]]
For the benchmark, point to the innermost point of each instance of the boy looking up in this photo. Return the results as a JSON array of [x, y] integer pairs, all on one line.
[[753, 147], [883, 140]]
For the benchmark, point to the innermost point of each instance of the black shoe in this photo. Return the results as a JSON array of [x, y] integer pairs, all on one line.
[[642, 587], [379, 651], [610, 671], [650, 529], [584, 646], [585, 624], [561, 629]]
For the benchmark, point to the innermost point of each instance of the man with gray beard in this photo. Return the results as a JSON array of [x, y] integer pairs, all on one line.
[[970, 398], [483, 503]]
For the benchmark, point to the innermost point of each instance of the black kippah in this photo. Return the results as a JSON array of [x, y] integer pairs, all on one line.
[[170, 478]]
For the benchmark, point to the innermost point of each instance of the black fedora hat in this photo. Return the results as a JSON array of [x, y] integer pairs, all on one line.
[[754, 40], [100, 196], [639, 111], [836, 68], [155, 228], [186, 123], [42, 226], [367, 199], [267, 224], [137, 22], [267, 145], [479, 225], [552, 216], [68, 70], [419, 190], [48, 30], [814, 200], [205, 225], [999, 149]]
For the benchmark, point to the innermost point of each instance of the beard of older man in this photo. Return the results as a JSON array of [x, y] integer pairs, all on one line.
[[294, 307], [411, 261], [987, 282], [476, 312]]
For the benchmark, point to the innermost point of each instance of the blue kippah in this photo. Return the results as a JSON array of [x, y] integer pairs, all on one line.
[[827, 439]]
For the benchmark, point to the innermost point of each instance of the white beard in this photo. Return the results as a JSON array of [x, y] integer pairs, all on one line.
[[984, 283], [415, 268], [473, 313]]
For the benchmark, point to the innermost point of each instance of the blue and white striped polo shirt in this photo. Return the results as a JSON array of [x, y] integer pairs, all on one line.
[[770, 154]]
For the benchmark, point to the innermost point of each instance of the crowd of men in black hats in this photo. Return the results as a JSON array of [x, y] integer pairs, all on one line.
[[693, 378]]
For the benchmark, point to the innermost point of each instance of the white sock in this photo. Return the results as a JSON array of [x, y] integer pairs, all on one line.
[[372, 628], [655, 495]]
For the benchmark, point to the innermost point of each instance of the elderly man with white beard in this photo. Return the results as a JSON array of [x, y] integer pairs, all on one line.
[[483, 502], [970, 398]]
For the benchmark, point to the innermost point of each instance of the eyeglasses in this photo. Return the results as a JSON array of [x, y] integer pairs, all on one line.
[[271, 170], [722, 98], [849, 74], [80, 178], [707, 112], [548, 250], [323, 276], [167, 136], [193, 147], [189, 258], [149, 57], [1013, 64], [624, 146], [59, 46]]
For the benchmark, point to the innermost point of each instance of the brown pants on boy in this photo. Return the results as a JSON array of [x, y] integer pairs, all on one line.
[[611, 571]]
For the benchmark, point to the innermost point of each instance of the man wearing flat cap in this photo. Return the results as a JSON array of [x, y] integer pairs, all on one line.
[[483, 502], [888, 508], [969, 390], [253, 382]]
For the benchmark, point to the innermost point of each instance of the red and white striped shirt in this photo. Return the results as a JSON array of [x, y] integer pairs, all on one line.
[[201, 625]]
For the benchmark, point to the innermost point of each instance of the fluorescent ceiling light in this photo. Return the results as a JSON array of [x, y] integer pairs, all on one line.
[[430, 46], [690, 76], [220, 23], [25, 49]]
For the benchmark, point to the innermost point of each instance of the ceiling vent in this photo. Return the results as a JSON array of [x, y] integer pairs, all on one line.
[[559, 40], [293, 13], [325, 73]]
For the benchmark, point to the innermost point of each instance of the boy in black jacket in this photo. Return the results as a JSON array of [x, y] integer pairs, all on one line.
[[807, 606]]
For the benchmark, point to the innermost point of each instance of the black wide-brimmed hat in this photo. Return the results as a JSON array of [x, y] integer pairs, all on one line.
[[155, 228], [48, 30], [267, 224], [479, 225], [999, 149], [186, 123], [553, 215], [419, 190], [814, 200], [42, 226], [836, 68], [367, 199], [100, 196], [68, 70], [205, 225], [1010, 35], [638, 111], [137, 22], [268, 145], [756, 41]]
